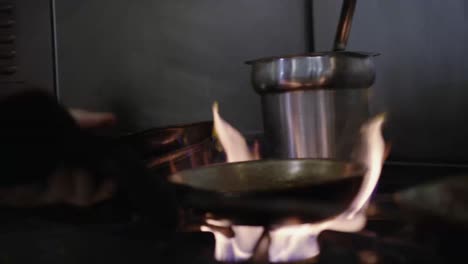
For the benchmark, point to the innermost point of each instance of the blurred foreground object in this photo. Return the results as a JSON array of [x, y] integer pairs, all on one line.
[[446, 199], [90, 120], [47, 159]]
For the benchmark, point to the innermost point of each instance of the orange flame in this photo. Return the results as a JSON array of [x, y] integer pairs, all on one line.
[[231, 139], [241, 246], [298, 242]]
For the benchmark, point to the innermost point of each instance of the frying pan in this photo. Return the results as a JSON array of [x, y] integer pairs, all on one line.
[[269, 192], [167, 150], [157, 142]]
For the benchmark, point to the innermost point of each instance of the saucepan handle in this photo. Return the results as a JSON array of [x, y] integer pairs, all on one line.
[[344, 25]]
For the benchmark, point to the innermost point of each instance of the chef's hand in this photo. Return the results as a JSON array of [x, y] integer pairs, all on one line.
[[76, 186], [48, 163], [142, 192]]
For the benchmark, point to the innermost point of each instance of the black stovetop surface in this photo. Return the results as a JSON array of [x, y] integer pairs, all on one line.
[[392, 235]]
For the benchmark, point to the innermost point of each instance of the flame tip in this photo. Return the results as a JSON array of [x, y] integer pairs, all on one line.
[[215, 106], [381, 117]]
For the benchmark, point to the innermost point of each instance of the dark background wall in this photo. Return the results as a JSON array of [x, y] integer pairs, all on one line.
[[164, 62], [422, 73]]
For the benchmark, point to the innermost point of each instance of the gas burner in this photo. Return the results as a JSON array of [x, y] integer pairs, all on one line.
[[365, 247]]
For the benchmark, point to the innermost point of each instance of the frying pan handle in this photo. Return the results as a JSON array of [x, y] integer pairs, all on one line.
[[344, 25]]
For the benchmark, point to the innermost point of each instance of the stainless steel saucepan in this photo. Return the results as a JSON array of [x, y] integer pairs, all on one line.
[[314, 104]]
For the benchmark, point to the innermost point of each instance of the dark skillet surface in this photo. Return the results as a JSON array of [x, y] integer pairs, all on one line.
[[270, 191]]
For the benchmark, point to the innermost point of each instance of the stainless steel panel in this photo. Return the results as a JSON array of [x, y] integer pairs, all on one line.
[[25, 46]]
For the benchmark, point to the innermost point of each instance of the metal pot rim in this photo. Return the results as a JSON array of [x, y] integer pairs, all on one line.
[[357, 54]]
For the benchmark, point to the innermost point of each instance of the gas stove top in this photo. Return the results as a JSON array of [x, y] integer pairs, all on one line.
[[393, 234]]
